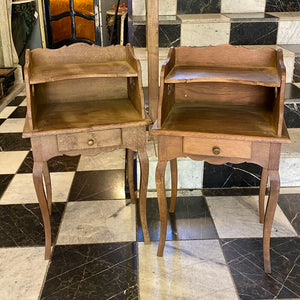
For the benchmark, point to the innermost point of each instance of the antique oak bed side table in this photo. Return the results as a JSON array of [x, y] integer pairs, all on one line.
[[84, 99], [222, 104]]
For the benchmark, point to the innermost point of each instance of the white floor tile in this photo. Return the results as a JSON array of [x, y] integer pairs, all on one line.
[[113, 160], [22, 272], [240, 6], [11, 161], [237, 217], [6, 112], [98, 222], [188, 270], [21, 189], [12, 125]]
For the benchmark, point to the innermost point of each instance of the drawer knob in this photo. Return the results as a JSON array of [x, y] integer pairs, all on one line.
[[216, 150], [91, 142]]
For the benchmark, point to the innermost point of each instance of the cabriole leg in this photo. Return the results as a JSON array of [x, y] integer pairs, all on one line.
[[129, 171], [162, 203], [262, 193], [269, 216], [144, 165], [47, 181]]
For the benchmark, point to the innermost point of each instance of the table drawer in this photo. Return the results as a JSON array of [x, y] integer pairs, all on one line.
[[89, 140], [216, 147]]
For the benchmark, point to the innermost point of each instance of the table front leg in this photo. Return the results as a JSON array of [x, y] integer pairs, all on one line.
[[144, 165], [129, 171], [162, 203], [174, 178], [47, 181], [269, 216], [38, 168], [262, 193]]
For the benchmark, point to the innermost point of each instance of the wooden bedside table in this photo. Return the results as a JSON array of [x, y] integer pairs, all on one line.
[[84, 99], [222, 104]]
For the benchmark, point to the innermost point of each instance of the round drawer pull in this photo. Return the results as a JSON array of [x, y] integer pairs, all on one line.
[[91, 142], [216, 150]]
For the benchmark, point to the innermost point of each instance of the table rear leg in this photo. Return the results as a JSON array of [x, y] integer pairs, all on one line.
[[174, 178]]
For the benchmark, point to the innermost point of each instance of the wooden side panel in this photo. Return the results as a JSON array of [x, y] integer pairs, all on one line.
[[167, 101], [30, 105], [229, 93], [134, 84], [81, 90], [278, 109], [167, 91], [136, 94], [226, 55]]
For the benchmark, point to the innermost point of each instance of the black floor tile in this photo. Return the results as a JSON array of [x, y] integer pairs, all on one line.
[[198, 7], [1, 121], [98, 185], [4, 182], [230, 175], [191, 220], [63, 163], [292, 115], [245, 259], [256, 33], [19, 112], [282, 5], [17, 101], [22, 225], [14, 142], [290, 204], [56, 164], [95, 271]]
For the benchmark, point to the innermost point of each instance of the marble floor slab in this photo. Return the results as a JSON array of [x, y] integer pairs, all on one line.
[[240, 6], [290, 205], [104, 161], [191, 220], [12, 125], [245, 259], [14, 142], [62, 163], [97, 222], [11, 161], [16, 193], [95, 185], [237, 217], [188, 270], [22, 225], [22, 272], [6, 112], [94, 271]]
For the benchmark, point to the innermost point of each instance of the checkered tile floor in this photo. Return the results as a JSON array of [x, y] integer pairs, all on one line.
[[213, 248]]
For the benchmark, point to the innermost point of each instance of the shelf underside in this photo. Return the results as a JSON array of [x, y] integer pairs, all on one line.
[[46, 73], [236, 120], [116, 113], [255, 76]]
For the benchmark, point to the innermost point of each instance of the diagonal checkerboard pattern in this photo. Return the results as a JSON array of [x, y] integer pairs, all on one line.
[[213, 248]]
